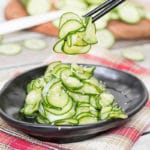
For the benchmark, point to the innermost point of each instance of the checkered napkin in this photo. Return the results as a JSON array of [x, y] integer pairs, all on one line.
[[121, 138]]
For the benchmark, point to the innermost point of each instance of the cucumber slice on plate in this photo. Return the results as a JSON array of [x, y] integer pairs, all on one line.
[[133, 54], [10, 49], [69, 26], [35, 44], [106, 38], [35, 7], [129, 13]]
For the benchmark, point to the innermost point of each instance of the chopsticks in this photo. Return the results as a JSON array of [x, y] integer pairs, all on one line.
[[103, 9]]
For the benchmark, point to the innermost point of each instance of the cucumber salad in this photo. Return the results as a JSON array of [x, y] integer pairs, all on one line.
[[69, 94], [76, 35]]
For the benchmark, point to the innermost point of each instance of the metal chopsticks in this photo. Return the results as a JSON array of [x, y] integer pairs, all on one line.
[[103, 9]]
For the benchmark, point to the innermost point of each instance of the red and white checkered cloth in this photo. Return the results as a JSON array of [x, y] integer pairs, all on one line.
[[121, 138]]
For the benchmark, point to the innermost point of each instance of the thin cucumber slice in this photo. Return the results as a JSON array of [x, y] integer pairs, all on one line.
[[75, 49], [10, 49], [42, 120], [90, 33], [105, 38], [68, 16], [89, 89], [32, 102], [76, 39], [34, 8], [106, 99], [65, 122], [35, 44], [87, 120], [82, 109], [133, 54], [79, 97], [51, 66], [51, 117], [81, 72], [129, 13], [58, 68], [62, 111], [37, 84], [69, 26], [105, 111], [56, 96], [69, 81], [94, 102], [58, 46]]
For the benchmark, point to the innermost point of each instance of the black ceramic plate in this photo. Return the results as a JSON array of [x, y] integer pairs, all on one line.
[[128, 90]]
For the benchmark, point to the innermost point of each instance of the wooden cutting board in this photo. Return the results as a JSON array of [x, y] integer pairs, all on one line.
[[121, 30]]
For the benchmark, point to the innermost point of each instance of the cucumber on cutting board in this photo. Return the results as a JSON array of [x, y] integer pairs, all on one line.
[[35, 7], [105, 38], [129, 13]]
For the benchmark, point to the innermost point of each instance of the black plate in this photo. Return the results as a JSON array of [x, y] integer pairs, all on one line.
[[128, 90]]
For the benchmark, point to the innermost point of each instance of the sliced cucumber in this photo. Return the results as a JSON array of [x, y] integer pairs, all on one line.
[[52, 118], [82, 73], [129, 13], [68, 16], [69, 26], [35, 44], [105, 38], [33, 7], [132, 54], [69, 81], [87, 120], [69, 122], [66, 99], [56, 96], [51, 66], [79, 97], [88, 89], [75, 49], [58, 46], [76, 39], [90, 33], [106, 99], [62, 111], [32, 102], [10, 49]]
